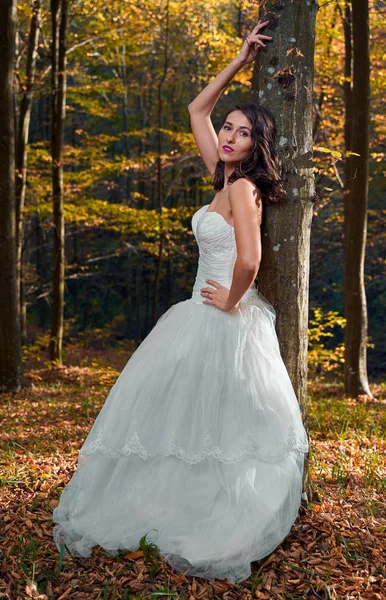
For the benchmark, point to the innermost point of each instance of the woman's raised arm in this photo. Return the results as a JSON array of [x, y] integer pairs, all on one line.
[[201, 107]]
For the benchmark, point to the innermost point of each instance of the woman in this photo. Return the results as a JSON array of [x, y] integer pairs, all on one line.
[[200, 444]]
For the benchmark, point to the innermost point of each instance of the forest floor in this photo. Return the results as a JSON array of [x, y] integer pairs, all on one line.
[[336, 547]]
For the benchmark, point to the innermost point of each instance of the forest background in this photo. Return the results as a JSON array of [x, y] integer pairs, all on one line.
[[132, 70]]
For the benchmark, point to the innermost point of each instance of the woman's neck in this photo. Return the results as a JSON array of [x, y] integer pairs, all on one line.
[[228, 170]]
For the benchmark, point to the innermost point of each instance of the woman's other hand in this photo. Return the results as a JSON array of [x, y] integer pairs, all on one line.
[[253, 42], [217, 296]]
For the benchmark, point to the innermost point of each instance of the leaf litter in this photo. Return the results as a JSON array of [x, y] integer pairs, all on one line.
[[335, 549]]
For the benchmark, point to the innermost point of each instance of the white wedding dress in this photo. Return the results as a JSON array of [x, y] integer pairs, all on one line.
[[200, 443]]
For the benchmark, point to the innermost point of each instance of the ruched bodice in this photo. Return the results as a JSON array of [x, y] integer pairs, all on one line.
[[217, 251]]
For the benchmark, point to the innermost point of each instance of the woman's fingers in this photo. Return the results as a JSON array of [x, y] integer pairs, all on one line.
[[257, 38], [254, 33], [260, 24], [261, 35], [213, 282], [256, 41]]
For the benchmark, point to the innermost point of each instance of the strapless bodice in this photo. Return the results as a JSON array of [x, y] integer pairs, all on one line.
[[217, 251]]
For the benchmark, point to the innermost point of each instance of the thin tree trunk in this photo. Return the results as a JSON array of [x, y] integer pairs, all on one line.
[[168, 277], [138, 296], [129, 296], [159, 171], [347, 86], [283, 81], [355, 309], [59, 11], [125, 111], [75, 246], [11, 372], [23, 126], [141, 119], [147, 306], [41, 269]]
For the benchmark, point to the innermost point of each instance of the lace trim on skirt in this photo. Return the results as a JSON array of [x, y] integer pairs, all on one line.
[[208, 448]]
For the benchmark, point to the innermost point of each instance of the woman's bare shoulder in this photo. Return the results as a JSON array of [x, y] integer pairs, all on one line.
[[251, 199], [245, 186]]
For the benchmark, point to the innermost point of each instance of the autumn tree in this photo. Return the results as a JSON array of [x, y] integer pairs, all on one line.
[[283, 81], [159, 160], [23, 117], [357, 102], [11, 377], [59, 15]]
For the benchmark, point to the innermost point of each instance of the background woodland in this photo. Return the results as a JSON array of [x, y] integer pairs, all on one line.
[[131, 169]]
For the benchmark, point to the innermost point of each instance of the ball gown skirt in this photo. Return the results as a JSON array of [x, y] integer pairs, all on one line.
[[200, 443]]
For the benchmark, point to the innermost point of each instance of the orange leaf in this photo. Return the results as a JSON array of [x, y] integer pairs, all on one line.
[[135, 555]]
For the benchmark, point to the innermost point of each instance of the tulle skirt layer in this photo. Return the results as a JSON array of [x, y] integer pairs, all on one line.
[[200, 444]]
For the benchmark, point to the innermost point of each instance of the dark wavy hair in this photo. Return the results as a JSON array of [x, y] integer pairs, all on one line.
[[263, 166]]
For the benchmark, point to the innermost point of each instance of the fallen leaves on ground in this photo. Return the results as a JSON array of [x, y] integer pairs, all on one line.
[[335, 549]]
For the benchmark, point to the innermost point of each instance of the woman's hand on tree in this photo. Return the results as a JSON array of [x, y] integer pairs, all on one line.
[[253, 42]]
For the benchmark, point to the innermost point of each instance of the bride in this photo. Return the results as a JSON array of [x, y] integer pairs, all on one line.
[[200, 445]]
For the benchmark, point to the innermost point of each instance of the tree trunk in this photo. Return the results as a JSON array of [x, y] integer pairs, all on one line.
[[138, 297], [129, 296], [59, 11], [125, 111], [11, 372], [283, 81], [159, 171], [356, 193], [40, 265], [24, 117], [347, 88]]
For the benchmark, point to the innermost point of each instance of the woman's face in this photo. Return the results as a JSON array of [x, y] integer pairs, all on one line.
[[235, 138]]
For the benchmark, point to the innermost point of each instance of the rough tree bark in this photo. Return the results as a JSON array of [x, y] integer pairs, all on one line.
[[59, 14], [22, 135], [283, 81], [357, 100], [11, 373]]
